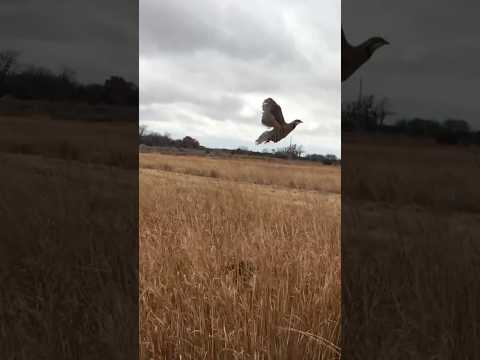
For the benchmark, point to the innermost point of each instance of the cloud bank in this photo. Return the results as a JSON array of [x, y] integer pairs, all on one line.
[[95, 38], [206, 66], [430, 69]]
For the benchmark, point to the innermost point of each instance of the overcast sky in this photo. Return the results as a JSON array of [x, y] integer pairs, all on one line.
[[95, 38], [431, 69], [207, 65]]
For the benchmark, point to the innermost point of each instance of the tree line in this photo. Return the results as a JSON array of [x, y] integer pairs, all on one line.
[[152, 138], [368, 114], [292, 152], [31, 82]]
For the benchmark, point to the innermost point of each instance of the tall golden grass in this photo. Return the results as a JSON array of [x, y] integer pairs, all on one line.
[[274, 172], [410, 251], [239, 259], [110, 143], [411, 172], [68, 254]]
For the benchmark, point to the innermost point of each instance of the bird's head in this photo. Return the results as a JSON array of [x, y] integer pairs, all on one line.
[[374, 43], [296, 122]]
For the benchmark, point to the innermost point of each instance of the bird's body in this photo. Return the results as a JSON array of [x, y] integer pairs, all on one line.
[[272, 117], [355, 56]]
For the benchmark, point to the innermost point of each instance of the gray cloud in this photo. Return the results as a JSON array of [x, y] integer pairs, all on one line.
[[96, 38], [430, 68], [186, 27], [211, 64]]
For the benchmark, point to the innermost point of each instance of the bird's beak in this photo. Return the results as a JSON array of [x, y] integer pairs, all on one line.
[[376, 45]]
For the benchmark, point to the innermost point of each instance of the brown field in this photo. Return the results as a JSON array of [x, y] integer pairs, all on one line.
[[410, 250], [108, 142], [68, 252], [239, 259]]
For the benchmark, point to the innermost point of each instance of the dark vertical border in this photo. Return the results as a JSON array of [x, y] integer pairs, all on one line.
[[69, 183], [410, 251]]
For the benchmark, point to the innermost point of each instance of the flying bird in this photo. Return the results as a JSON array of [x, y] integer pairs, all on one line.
[[355, 56], [272, 117]]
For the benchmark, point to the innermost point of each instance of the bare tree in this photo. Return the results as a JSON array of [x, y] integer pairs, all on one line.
[[68, 74], [8, 61], [366, 112], [383, 109], [142, 130], [293, 151]]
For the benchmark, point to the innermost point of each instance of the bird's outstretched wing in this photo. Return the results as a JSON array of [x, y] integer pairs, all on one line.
[[274, 135], [272, 114]]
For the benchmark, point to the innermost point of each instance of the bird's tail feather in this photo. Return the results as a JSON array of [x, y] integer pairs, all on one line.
[[265, 137]]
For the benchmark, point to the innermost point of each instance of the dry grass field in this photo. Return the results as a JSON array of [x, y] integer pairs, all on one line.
[[410, 250], [69, 224], [110, 143], [239, 259]]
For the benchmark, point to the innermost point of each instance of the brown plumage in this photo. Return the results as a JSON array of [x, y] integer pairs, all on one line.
[[272, 117], [355, 56]]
